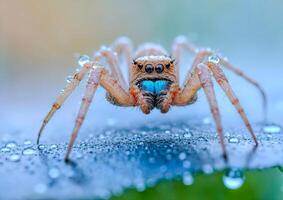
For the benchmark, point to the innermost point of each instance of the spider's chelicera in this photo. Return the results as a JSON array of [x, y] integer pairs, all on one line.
[[153, 81]]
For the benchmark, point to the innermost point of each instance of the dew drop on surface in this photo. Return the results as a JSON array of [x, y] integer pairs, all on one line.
[[27, 142], [83, 60], [29, 151], [214, 59], [54, 173], [272, 128], [182, 156], [15, 158], [5, 149], [41, 147], [233, 178], [233, 140], [186, 164], [188, 178], [54, 146], [206, 120], [207, 169], [40, 188], [11, 145], [111, 122]]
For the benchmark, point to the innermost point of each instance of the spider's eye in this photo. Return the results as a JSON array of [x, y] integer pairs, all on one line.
[[159, 68], [140, 66], [167, 65], [148, 68]]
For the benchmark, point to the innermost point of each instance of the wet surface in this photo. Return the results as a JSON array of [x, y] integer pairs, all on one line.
[[116, 159]]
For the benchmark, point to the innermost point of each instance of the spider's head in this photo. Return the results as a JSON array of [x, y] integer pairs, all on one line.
[[153, 68]]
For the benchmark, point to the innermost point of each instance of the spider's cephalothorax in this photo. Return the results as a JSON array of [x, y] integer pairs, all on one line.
[[153, 81], [153, 73]]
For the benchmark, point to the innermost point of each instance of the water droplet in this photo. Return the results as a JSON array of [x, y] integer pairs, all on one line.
[[207, 169], [188, 178], [29, 151], [69, 79], [186, 164], [15, 158], [214, 59], [233, 178], [54, 173], [11, 145], [40, 188], [53, 146], [187, 135], [27, 142], [182, 156], [272, 128], [233, 140], [111, 122], [206, 120], [83, 60], [5, 149], [41, 146]]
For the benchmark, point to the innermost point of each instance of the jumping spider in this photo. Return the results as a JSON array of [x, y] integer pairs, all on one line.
[[154, 81]]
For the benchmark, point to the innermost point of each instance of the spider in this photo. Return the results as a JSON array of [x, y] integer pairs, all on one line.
[[153, 82]]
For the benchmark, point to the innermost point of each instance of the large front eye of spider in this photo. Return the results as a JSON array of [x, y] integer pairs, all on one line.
[[148, 68], [159, 68]]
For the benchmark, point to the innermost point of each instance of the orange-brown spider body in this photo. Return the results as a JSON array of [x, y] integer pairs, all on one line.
[[153, 81]]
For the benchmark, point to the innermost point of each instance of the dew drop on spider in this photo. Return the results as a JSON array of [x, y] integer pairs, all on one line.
[[69, 79], [83, 60], [233, 178], [214, 59]]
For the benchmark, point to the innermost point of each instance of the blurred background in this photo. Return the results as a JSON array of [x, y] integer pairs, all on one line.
[[39, 41]]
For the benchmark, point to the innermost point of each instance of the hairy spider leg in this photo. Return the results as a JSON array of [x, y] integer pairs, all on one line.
[[69, 88], [112, 60], [207, 85], [98, 76], [181, 42], [224, 84], [124, 47], [240, 73]]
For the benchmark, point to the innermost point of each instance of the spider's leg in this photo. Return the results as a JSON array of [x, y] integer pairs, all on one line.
[[237, 71], [69, 88], [124, 47], [91, 87], [191, 83], [98, 76], [224, 84], [112, 60], [180, 43], [207, 84]]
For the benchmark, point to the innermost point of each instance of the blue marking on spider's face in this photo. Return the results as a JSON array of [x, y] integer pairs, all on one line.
[[154, 86]]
